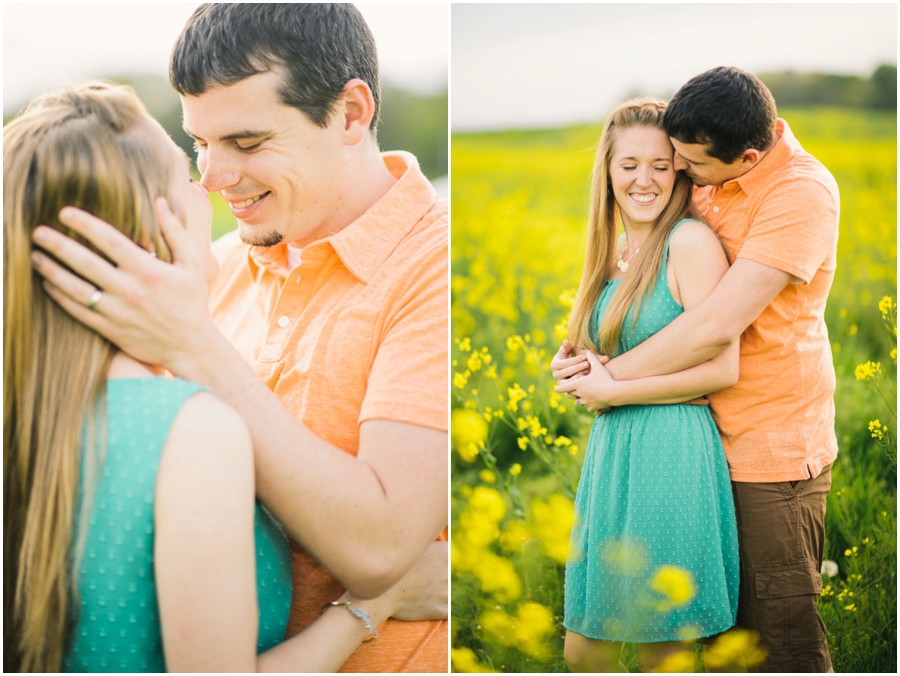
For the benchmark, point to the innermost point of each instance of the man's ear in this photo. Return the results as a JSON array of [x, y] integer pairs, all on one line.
[[357, 111], [750, 158]]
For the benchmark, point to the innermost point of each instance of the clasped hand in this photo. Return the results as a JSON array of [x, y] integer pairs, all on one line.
[[581, 376]]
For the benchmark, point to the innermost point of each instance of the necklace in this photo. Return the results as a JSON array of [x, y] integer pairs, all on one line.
[[621, 263]]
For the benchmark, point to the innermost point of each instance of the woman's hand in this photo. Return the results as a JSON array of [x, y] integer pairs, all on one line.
[[566, 363], [595, 390]]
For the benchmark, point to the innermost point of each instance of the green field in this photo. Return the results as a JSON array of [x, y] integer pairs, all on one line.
[[518, 210]]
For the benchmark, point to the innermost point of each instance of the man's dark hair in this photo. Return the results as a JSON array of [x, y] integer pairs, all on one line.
[[726, 108], [320, 47]]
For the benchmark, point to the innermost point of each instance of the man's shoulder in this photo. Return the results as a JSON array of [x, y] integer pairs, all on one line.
[[428, 238]]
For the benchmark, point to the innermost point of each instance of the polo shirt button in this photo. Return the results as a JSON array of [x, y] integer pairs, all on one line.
[[283, 321], [716, 209]]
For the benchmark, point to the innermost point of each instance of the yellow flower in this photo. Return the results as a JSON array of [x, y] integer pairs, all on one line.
[[851, 607], [460, 380], [534, 625], [487, 476], [465, 344], [516, 469], [468, 451], [877, 429], [886, 305], [469, 431], [552, 521], [500, 625], [474, 362], [498, 578], [488, 502], [465, 661], [516, 394], [468, 426], [679, 662], [514, 536], [676, 584], [523, 442], [868, 370], [737, 648], [625, 556]]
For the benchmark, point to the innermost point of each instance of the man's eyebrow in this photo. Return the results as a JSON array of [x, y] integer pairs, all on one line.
[[243, 134]]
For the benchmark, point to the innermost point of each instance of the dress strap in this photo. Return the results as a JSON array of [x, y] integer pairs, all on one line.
[[665, 257]]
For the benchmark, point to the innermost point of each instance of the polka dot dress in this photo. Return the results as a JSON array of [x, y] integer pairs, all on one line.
[[654, 553], [116, 617]]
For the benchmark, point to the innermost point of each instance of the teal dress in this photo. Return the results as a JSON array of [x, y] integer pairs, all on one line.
[[654, 553], [116, 624]]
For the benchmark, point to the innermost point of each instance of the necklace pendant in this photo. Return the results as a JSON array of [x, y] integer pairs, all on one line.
[[622, 265]]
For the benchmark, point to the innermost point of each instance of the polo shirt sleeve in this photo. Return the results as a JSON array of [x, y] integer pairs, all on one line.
[[794, 228], [409, 380]]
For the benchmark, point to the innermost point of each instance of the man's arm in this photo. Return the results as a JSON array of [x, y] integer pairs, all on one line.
[[794, 230], [706, 330], [366, 519]]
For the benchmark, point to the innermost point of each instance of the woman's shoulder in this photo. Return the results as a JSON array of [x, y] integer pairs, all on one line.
[[694, 246], [205, 425], [691, 233]]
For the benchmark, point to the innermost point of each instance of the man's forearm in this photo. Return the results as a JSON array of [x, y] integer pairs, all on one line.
[[689, 340], [335, 505]]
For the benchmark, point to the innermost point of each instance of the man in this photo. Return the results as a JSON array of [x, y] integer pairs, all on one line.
[[775, 209], [330, 333]]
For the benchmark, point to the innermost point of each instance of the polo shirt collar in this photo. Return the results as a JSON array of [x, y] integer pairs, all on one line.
[[785, 147], [365, 244]]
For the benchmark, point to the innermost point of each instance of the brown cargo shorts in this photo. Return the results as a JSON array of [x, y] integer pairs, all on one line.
[[781, 534]]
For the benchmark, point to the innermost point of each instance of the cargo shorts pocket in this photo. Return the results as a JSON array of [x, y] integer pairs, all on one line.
[[787, 598]]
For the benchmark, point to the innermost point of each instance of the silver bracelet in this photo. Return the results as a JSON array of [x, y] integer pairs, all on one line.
[[358, 613]]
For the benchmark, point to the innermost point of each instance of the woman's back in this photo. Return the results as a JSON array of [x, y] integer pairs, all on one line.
[[117, 616]]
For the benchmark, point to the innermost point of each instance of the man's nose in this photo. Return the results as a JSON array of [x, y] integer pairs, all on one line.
[[217, 170], [680, 164]]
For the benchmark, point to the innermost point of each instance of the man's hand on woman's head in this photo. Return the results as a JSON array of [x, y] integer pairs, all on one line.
[[157, 312]]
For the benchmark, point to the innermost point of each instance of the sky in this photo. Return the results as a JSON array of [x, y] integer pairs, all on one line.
[[46, 45], [541, 65]]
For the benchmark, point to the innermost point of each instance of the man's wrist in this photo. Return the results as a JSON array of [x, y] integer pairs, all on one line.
[[196, 360]]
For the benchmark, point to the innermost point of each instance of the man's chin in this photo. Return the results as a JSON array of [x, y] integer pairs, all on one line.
[[255, 238]]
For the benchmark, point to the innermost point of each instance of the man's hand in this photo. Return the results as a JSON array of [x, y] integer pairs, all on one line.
[[596, 390], [157, 312], [422, 593]]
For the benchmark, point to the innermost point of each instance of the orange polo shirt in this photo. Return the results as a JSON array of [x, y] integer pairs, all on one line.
[[357, 331], [777, 422]]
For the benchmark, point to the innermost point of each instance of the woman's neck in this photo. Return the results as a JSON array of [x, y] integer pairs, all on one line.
[[123, 366]]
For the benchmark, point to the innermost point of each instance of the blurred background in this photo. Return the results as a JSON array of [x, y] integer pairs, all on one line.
[[542, 65], [47, 45], [530, 86]]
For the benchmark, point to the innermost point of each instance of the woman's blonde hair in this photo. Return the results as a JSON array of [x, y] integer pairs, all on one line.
[[91, 148], [602, 234]]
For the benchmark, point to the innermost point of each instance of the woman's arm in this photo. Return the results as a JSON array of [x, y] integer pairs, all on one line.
[[697, 263], [326, 644], [205, 560]]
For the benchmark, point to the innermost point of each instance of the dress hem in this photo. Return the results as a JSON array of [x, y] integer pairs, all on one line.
[[653, 640]]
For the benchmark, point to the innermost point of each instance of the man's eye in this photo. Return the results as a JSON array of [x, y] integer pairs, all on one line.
[[248, 148], [199, 146]]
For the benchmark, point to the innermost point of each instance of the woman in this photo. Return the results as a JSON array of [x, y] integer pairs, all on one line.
[[655, 550], [131, 537]]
